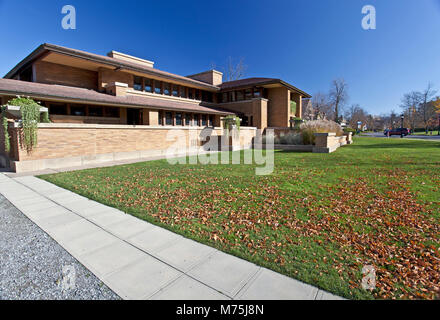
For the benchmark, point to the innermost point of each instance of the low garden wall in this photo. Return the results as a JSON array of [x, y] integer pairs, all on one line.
[[324, 143], [63, 145]]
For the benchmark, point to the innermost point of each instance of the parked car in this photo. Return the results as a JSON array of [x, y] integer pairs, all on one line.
[[397, 132]]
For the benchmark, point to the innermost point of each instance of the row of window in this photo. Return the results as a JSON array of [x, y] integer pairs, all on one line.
[[242, 95], [82, 110], [179, 119], [170, 89]]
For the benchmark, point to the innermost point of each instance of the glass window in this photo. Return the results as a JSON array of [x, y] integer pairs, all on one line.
[[190, 93], [168, 118], [137, 84], [204, 119], [248, 94], [179, 119], [58, 109], [148, 85], [183, 92], [160, 118], [157, 86], [187, 119], [95, 111], [78, 110], [175, 90], [207, 96], [198, 94], [231, 96], [166, 88], [240, 95], [257, 93], [112, 112], [225, 97], [211, 120], [196, 120]]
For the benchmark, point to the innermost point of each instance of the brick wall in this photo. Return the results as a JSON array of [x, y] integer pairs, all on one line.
[[51, 73], [278, 108], [58, 141], [106, 76]]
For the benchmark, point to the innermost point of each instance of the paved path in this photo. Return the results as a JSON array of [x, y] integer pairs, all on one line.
[[138, 260], [32, 263]]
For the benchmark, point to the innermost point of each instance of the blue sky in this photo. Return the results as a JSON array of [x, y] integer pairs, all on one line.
[[307, 43]]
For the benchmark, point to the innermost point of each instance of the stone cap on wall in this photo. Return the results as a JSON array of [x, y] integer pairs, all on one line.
[[325, 134]]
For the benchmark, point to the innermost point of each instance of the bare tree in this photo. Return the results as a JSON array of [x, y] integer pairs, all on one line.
[[410, 103], [338, 96], [355, 114], [321, 106], [426, 109], [235, 71]]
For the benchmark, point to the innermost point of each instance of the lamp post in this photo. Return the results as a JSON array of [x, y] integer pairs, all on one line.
[[402, 117]]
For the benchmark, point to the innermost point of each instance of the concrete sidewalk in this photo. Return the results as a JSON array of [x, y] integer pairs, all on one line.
[[138, 260]]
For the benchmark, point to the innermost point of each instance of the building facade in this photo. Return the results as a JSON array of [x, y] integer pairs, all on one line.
[[119, 107], [82, 87]]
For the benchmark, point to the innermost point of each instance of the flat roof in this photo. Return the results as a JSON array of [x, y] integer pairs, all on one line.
[[54, 92]]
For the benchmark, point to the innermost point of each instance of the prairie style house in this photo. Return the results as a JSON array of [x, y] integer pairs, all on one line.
[[81, 87], [113, 107]]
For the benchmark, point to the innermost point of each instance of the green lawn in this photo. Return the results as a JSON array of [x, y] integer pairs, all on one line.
[[318, 218], [434, 133]]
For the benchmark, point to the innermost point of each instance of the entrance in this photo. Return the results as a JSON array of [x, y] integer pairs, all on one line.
[[134, 116]]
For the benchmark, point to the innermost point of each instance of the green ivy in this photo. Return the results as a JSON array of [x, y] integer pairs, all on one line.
[[229, 120], [30, 114], [5, 130]]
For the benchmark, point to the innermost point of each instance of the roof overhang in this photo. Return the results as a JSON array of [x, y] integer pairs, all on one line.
[[52, 53], [52, 98], [272, 83]]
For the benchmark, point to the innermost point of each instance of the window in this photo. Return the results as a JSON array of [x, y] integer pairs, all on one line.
[[225, 97], [257, 93], [179, 119], [95, 111], [175, 90], [137, 84], [168, 118], [240, 95], [148, 85], [191, 93], [27, 75], [231, 96], [160, 118], [166, 88], [58, 109], [248, 94], [78, 111], [198, 94], [196, 120], [157, 87], [183, 92], [211, 120], [204, 120], [112, 112], [207, 96], [188, 119]]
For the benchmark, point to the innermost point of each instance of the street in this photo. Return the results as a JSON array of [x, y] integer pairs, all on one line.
[[381, 135]]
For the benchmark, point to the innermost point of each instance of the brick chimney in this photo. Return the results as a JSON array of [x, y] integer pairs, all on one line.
[[213, 77], [117, 88]]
